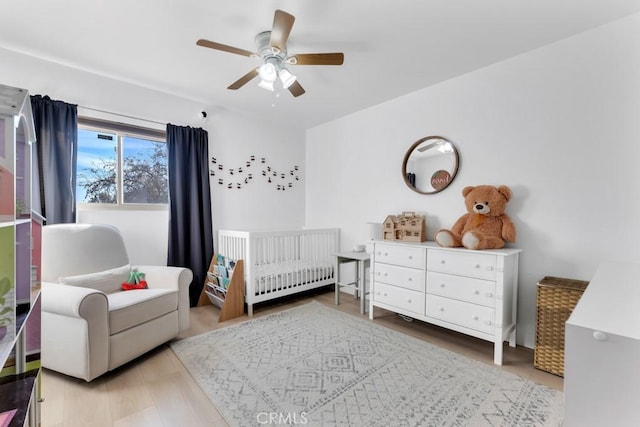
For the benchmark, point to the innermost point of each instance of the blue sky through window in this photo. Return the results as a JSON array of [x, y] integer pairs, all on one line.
[[96, 147], [91, 149]]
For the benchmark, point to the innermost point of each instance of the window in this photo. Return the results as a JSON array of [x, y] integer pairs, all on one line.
[[121, 165]]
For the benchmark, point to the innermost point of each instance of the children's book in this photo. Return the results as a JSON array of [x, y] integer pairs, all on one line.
[[221, 276]]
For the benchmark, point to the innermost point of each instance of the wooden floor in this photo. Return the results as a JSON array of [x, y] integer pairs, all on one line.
[[156, 390]]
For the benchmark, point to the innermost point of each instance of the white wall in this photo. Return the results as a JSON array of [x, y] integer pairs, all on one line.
[[144, 232], [233, 137], [257, 205], [559, 125]]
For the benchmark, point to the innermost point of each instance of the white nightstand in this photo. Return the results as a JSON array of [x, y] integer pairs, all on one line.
[[362, 260]]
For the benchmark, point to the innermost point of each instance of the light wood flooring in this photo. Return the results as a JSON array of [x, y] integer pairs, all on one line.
[[156, 390]]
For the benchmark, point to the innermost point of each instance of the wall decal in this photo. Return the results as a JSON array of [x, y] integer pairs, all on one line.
[[236, 177]]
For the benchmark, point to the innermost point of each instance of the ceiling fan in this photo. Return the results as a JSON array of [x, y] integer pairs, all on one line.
[[272, 49]]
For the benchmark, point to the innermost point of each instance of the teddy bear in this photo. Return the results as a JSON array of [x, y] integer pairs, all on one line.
[[485, 225]]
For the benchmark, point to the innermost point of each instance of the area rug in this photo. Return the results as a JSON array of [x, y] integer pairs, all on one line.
[[316, 366]]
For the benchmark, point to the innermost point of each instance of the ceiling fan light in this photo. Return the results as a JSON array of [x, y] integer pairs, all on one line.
[[268, 72], [286, 78], [266, 85], [445, 148]]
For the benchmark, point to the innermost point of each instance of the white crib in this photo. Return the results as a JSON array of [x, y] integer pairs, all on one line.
[[279, 263]]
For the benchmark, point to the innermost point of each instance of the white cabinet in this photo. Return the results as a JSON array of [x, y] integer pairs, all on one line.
[[602, 351], [399, 277], [473, 292]]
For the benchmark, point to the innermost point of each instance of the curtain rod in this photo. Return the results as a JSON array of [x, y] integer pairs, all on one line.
[[121, 115]]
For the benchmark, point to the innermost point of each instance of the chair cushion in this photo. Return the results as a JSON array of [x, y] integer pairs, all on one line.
[[105, 281], [132, 308]]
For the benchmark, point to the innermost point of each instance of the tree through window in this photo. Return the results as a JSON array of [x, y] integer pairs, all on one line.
[[117, 168]]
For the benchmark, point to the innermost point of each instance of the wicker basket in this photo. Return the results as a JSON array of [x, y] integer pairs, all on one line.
[[556, 299]]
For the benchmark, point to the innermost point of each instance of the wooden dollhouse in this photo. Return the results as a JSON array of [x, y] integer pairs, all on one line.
[[408, 227]]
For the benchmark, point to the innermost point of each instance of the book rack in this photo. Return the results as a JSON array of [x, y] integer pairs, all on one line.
[[231, 300]]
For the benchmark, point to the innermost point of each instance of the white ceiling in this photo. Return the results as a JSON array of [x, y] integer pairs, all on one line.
[[391, 47]]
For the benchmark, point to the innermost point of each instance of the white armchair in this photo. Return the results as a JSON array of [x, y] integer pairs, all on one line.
[[89, 325]]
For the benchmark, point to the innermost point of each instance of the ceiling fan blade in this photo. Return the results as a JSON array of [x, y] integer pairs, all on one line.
[[296, 89], [223, 47], [336, 58], [282, 24], [243, 80]]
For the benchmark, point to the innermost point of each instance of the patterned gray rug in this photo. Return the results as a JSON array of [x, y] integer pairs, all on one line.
[[312, 365]]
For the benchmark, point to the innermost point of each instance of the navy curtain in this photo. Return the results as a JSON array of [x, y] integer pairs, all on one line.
[[55, 159], [190, 230]]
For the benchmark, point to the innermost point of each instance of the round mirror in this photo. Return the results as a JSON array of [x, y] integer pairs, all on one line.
[[430, 165]]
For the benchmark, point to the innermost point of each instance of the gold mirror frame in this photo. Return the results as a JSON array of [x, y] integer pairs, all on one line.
[[430, 165]]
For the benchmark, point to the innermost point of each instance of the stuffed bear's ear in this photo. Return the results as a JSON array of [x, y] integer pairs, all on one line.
[[505, 191], [467, 190]]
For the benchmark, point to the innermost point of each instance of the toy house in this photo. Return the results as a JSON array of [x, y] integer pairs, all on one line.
[[389, 227], [407, 227]]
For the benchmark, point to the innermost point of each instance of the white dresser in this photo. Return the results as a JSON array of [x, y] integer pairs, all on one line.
[[473, 292], [602, 351]]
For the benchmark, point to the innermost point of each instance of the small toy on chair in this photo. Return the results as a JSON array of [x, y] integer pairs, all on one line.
[[136, 280], [485, 225]]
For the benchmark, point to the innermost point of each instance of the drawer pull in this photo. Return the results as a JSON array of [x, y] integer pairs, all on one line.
[[409, 301], [476, 292], [441, 308], [476, 318], [477, 266], [386, 254], [410, 279], [442, 285], [599, 336], [442, 261], [385, 294], [410, 256], [385, 274]]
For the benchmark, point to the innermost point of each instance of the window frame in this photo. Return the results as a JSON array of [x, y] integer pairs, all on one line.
[[122, 130]]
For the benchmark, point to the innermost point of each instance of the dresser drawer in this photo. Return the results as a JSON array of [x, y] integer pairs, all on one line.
[[481, 266], [405, 299], [468, 289], [409, 278], [461, 313], [406, 256]]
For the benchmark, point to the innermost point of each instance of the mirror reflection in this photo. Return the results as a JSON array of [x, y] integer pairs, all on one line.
[[430, 165]]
